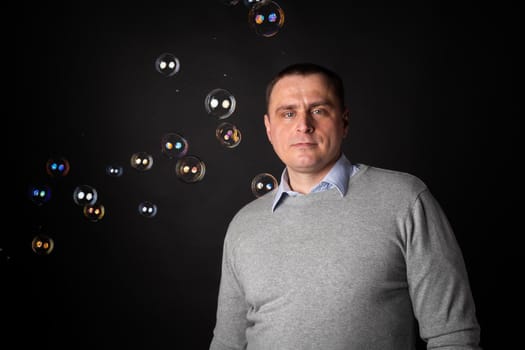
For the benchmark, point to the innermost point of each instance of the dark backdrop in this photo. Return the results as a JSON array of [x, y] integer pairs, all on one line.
[[87, 90]]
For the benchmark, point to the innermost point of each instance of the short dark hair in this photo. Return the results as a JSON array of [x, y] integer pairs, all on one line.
[[333, 79]]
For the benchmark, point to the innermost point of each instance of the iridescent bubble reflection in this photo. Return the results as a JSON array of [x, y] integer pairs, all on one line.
[[167, 64], [263, 183], [56, 167], [94, 212], [266, 18], [173, 145], [39, 194], [42, 244], [220, 103], [85, 195], [190, 169], [228, 135], [147, 209], [114, 170], [141, 161]]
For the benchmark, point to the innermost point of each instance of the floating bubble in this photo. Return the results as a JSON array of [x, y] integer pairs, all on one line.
[[94, 212], [114, 170], [174, 145], [266, 18], [220, 103], [147, 209], [167, 64], [190, 169], [141, 161], [42, 244], [56, 167], [85, 195], [39, 194], [228, 135], [263, 183]]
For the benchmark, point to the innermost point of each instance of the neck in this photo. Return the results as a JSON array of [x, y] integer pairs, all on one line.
[[303, 182]]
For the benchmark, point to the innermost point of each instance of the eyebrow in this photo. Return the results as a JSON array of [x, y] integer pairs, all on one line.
[[311, 105], [321, 103]]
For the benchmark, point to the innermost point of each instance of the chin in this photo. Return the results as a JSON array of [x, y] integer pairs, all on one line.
[[305, 164]]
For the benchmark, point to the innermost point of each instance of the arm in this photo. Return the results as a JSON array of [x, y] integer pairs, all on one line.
[[229, 332], [438, 281]]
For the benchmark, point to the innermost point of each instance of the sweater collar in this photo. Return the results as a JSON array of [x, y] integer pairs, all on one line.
[[337, 177]]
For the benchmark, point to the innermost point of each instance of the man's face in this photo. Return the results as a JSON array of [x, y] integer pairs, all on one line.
[[305, 123]]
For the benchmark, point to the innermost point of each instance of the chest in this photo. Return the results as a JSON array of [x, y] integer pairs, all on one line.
[[319, 258]]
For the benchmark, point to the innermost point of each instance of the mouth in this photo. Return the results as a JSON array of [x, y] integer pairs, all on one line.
[[304, 144]]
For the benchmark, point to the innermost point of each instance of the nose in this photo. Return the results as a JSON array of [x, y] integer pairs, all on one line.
[[305, 123]]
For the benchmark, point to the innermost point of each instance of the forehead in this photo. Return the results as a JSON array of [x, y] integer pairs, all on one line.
[[299, 80], [301, 86]]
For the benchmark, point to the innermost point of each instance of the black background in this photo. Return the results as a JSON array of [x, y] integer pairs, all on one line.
[[87, 90]]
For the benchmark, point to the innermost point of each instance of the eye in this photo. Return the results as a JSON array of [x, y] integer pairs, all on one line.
[[318, 111], [288, 114]]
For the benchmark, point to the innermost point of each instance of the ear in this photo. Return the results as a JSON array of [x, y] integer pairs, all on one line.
[[268, 127], [346, 119]]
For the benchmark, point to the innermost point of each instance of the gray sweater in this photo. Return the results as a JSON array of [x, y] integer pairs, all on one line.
[[332, 272]]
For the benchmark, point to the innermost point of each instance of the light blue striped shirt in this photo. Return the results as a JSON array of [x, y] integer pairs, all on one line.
[[337, 177]]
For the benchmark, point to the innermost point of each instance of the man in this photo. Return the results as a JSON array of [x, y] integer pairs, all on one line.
[[340, 255]]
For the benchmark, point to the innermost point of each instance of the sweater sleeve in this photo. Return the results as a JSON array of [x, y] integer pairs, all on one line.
[[438, 281], [231, 323]]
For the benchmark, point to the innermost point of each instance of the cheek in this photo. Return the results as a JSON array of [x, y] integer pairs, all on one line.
[[279, 137]]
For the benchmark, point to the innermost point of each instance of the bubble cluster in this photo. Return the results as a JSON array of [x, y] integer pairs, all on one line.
[[266, 18]]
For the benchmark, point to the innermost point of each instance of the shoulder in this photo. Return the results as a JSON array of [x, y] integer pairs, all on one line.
[[251, 214], [389, 181], [257, 206]]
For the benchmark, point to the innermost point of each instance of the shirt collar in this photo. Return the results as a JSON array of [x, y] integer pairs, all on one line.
[[337, 177]]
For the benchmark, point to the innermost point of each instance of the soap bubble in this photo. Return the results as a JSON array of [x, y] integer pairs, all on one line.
[[220, 103], [190, 169], [167, 64], [263, 183], [266, 18]]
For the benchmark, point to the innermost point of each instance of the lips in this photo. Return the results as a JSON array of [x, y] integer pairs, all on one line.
[[304, 144]]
